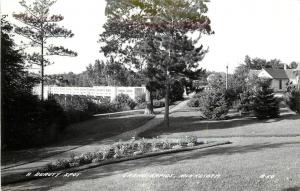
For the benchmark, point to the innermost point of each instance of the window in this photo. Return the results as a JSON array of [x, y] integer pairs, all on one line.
[[280, 84]]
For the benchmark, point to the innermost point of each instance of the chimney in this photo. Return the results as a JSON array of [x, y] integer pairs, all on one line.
[[284, 66]]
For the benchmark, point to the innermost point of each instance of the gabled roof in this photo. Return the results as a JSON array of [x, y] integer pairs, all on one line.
[[277, 73]]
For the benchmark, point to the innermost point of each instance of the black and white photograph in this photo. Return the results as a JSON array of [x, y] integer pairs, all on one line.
[[154, 95]]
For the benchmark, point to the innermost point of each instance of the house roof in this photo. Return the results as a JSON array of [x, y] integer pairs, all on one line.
[[277, 73]]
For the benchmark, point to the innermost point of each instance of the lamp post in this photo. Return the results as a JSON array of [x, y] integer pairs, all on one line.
[[226, 77]]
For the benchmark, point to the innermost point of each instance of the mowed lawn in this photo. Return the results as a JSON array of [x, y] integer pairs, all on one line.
[[103, 127], [77, 135], [189, 121]]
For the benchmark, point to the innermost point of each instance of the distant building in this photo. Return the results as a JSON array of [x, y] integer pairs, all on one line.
[[279, 77], [96, 91]]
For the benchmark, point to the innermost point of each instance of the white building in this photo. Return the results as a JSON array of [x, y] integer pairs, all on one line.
[[101, 91], [279, 77]]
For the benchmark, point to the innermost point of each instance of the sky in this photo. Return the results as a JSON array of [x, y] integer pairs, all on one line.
[[259, 28]]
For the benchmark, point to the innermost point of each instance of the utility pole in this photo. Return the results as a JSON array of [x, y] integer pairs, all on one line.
[[227, 77]]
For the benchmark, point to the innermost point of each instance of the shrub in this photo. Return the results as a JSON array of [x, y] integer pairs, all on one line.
[[124, 102], [29, 122], [141, 105], [176, 91], [293, 100], [246, 102], [140, 98], [265, 104], [230, 96], [213, 104], [194, 102], [106, 107], [79, 108]]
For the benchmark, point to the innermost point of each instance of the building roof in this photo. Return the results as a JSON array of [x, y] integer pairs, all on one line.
[[277, 73]]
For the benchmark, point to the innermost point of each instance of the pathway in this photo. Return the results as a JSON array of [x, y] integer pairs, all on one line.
[[92, 147]]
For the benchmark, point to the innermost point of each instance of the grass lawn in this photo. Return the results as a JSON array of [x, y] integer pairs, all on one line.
[[189, 121], [77, 135], [102, 127]]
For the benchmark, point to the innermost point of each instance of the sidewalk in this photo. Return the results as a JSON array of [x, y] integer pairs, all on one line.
[[95, 146]]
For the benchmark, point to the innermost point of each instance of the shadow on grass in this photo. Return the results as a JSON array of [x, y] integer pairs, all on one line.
[[182, 122], [292, 189], [77, 135], [127, 167]]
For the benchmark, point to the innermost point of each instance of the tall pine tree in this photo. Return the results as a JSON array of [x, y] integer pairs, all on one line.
[[265, 104], [157, 32], [39, 27]]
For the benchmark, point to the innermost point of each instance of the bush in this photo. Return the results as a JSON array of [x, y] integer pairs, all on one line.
[[246, 102], [141, 105], [140, 98], [293, 100], [265, 104], [230, 96], [123, 102], [176, 91], [106, 107], [213, 104], [194, 102], [77, 108], [29, 122]]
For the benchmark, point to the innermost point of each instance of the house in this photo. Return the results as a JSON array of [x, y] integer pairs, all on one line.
[[279, 77]]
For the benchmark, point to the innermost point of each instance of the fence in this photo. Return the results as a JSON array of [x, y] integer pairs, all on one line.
[[102, 91]]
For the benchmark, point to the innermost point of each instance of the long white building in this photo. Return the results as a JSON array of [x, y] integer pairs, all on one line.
[[103, 91]]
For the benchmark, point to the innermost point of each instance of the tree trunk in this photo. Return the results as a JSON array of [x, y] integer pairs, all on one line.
[[166, 117], [149, 103], [42, 71]]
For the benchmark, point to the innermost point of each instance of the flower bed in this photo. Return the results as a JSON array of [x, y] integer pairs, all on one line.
[[124, 150]]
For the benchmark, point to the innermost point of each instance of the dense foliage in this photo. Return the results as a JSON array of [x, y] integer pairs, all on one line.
[[123, 102], [293, 98], [26, 121], [265, 104], [213, 105], [78, 108], [246, 102]]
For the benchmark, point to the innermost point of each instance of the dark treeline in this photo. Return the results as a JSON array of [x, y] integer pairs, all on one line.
[[25, 119], [259, 63]]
